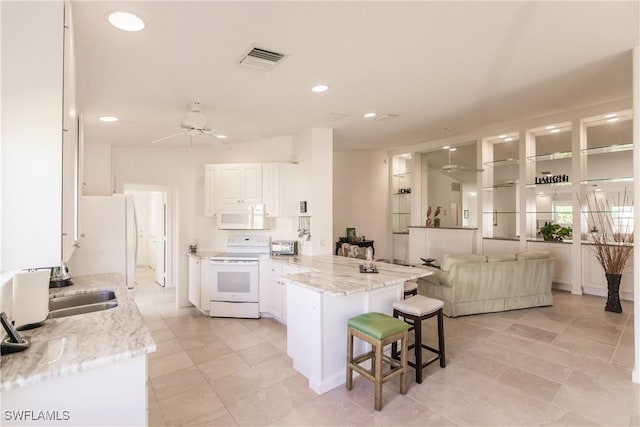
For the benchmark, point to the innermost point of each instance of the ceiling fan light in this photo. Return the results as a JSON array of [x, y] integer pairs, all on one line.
[[369, 115], [126, 21], [108, 119]]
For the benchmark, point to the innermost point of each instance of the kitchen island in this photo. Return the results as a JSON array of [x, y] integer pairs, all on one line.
[[322, 299], [87, 369]]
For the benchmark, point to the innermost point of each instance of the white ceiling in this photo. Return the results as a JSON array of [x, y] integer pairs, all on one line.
[[442, 67]]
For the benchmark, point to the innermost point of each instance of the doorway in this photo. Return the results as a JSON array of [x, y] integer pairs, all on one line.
[[153, 236]]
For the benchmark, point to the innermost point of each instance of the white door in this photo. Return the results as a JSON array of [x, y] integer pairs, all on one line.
[[140, 200], [157, 232]]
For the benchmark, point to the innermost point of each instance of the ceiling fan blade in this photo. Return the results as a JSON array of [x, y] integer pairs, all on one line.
[[166, 137]]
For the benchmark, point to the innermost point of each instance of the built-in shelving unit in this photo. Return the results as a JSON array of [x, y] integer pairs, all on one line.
[[401, 193]]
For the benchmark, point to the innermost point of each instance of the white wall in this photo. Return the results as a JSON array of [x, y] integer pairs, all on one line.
[[96, 180], [361, 197]]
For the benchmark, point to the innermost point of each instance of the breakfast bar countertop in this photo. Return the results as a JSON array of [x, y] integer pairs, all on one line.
[[67, 345], [339, 276]]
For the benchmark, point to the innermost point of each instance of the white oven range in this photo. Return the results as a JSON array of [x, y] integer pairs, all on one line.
[[234, 284]]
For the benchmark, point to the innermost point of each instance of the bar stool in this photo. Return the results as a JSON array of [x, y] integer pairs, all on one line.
[[410, 288], [416, 309], [379, 330]]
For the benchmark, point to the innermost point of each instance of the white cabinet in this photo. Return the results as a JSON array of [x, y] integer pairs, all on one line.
[[239, 184], [32, 111], [276, 292], [210, 190], [232, 186], [70, 145], [195, 281]]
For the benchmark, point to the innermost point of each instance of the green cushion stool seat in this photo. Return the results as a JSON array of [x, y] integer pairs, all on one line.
[[377, 325], [379, 330]]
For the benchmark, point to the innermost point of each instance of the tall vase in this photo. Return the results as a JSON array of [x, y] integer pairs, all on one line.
[[613, 293]]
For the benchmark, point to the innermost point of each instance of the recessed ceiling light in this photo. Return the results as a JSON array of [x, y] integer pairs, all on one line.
[[502, 136], [613, 119], [446, 147], [453, 149], [369, 115], [108, 119], [508, 139], [550, 127], [221, 136], [608, 116], [126, 21], [319, 88], [555, 130]]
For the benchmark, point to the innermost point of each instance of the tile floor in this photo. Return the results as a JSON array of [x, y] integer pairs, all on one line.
[[566, 365]]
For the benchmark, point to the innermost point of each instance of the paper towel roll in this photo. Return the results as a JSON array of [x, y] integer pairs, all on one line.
[[30, 297]]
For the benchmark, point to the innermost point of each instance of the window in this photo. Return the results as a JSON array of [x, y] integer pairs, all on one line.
[[563, 213], [622, 219]]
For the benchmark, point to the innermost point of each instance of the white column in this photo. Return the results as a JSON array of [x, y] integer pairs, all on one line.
[[578, 142], [636, 219]]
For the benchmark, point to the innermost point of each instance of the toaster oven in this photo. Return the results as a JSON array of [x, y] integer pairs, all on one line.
[[284, 247]]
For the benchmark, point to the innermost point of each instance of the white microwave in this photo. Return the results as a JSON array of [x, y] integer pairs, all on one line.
[[250, 217]]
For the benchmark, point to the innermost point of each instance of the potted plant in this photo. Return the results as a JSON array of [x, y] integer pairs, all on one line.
[[555, 232], [611, 229]]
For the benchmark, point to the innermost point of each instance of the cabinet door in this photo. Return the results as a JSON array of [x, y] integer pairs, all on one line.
[[210, 189], [194, 281], [275, 290], [70, 182], [240, 184], [271, 189], [31, 134], [252, 184]]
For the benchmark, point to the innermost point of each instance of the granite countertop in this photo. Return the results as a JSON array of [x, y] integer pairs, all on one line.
[[72, 344], [340, 276], [442, 228], [203, 254]]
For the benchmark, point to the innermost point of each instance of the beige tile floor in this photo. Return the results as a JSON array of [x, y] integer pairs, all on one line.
[[566, 365]]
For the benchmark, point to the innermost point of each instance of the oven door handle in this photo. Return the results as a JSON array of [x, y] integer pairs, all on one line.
[[212, 262]]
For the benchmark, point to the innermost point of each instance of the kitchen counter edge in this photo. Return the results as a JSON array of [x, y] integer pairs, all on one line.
[[72, 344]]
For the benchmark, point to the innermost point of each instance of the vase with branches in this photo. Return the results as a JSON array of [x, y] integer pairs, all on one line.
[[611, 228]]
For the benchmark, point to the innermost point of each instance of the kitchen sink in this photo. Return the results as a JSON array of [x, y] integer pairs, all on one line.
[[71, 305]]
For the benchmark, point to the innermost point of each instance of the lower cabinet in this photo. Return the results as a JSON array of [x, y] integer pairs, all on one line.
[[275, 293], [195, 281]]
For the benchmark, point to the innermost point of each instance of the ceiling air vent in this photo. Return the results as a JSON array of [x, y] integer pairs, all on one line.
[[262, 59]]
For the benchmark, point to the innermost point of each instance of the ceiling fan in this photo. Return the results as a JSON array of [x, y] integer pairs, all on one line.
[[194, 124], [451, 168]]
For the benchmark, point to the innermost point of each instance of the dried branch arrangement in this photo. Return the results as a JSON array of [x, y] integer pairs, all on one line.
[[612, 232]]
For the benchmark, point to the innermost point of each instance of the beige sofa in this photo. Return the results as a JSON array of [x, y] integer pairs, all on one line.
[[470, 284]]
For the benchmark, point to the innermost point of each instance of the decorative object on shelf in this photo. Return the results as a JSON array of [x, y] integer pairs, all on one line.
[[428, 223], [436, 220], [555, 232], [612, 240], [351, 234]]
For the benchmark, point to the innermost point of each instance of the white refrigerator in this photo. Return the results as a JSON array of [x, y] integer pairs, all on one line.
[[108, 237]]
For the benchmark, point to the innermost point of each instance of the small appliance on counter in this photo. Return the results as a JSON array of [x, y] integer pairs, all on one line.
[[60, 277], [284, 247], [30, 298]]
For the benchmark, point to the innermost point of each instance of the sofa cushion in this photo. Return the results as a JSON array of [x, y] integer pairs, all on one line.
[[541, 254], [450, 260], [501, 257]]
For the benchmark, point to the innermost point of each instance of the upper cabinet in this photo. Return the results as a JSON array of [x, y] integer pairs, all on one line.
[[233, 186], [240, 184], [33, 84]]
